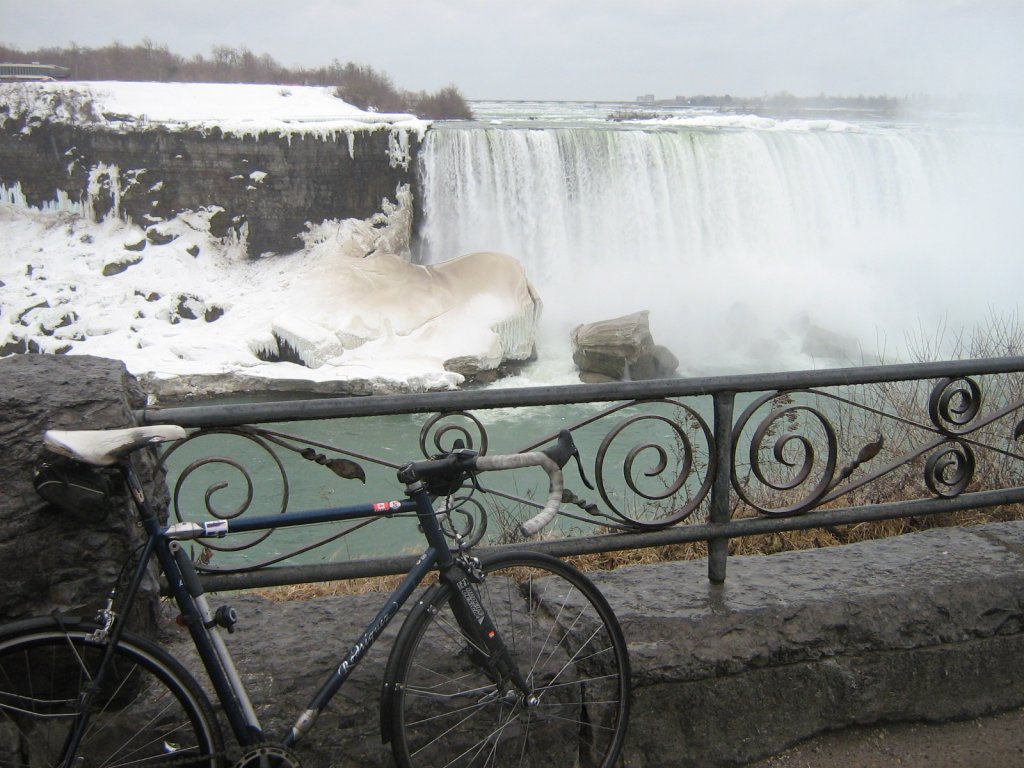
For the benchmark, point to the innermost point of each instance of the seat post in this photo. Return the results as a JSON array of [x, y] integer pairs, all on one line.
[[150, 521]]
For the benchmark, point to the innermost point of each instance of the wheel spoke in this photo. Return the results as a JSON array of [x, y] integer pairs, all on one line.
[[449, 709], [146, 709]]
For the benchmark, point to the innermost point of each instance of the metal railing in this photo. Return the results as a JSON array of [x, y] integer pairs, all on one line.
[[673, 460]]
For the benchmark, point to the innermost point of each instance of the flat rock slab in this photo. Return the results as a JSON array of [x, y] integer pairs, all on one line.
[[924, 627], [921, 627]]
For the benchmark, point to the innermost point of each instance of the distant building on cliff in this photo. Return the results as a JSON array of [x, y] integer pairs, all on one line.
[[14, 72]]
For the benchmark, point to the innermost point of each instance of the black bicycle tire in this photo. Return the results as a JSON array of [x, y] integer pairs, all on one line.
[[403, 689], [23, 648]]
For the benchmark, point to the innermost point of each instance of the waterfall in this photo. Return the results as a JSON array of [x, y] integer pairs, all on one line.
[[755, 244]]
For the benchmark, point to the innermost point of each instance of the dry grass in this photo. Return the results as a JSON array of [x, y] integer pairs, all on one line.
[[341, 588], [788, 541], [761, 544]]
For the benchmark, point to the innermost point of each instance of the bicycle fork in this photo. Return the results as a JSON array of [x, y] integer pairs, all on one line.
[[486, 646]]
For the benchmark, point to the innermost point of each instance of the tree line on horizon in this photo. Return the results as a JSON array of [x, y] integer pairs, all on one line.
[[357, 84]]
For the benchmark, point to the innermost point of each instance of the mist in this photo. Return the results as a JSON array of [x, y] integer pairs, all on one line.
[[756, 244]]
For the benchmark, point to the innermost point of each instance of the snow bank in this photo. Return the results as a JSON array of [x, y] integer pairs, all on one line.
[[235, 109], [357, 317], [178, 304]]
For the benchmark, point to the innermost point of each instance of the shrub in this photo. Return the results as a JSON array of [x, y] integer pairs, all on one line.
[[364, 87], [447, 104]]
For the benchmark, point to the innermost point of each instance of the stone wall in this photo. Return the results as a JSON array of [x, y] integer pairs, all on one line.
[[927, 627], [268, 183]]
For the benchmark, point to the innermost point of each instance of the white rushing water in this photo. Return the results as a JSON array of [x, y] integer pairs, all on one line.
[[757, 244]]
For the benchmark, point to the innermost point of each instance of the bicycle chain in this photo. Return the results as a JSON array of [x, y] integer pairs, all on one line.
[[192, 759]]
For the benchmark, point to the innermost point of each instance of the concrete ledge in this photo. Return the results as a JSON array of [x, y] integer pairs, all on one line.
[[920, 627], [926, 627]]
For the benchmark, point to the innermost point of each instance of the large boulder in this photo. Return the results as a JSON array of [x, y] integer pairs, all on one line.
[[621, 349], [476, 313], [49, 559]]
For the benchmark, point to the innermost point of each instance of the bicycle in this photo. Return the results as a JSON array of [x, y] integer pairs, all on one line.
[[515, 658]]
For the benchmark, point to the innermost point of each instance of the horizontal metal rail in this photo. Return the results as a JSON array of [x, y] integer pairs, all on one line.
[[744, 455], [377, 405], [618, 542]]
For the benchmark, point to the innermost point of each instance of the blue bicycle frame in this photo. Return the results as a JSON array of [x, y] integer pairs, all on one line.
[[185, 587]]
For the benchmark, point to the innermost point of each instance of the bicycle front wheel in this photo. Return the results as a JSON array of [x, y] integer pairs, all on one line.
[[448, 706], [148, 711]]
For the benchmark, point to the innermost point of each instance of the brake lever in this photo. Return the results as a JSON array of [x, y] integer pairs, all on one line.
[[564, 449], [579, 466]]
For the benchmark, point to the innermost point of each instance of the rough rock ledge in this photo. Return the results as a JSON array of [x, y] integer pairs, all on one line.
[[924, 627]]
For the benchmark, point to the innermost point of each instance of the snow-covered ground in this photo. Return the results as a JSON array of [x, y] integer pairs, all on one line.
[[197, 307], [231, 107]]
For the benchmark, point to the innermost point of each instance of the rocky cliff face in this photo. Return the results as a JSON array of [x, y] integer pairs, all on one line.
[[167, 196], [266, 186]]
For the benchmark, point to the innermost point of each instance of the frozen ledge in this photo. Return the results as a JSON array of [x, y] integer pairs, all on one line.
[[166, 390]]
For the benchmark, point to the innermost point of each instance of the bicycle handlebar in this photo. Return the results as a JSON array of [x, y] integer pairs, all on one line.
[[531, 459], [445, 475]]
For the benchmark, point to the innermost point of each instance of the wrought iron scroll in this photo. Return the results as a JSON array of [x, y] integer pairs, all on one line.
[[675, 465], [795, 474], [268, 444], [218, 487], [952, 407], [656, 485], [463, 517], [441, 431], [792, 472]]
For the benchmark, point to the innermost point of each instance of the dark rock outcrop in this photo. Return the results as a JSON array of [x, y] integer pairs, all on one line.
[[51, 559], [266, 186], [621, 349]]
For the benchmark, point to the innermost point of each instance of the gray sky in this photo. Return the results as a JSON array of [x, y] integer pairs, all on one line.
[[582, 49]]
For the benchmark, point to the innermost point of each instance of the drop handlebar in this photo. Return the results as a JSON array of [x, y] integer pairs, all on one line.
[[445, 474]]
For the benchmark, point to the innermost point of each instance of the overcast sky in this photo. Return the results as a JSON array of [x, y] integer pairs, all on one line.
[[581, 49]]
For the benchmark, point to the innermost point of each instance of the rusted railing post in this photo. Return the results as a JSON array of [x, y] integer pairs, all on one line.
[[718, 548]]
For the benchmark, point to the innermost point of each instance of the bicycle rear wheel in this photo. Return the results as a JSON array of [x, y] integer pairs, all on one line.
[[149, 710], [445, 704]]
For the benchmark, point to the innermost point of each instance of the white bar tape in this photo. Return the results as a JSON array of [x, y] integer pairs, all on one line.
[[532, 459]]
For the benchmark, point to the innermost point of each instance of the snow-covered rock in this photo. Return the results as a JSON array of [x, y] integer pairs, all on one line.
[[194, 308], [312, 344], [178, 290]]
